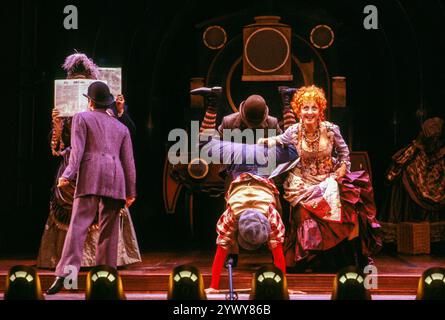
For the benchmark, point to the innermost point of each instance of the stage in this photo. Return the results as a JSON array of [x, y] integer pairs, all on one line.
[[398, 276]]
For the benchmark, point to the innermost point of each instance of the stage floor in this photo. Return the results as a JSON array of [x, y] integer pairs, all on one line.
[[398, 276]]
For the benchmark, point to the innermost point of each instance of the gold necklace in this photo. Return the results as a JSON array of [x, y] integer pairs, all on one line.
[[312, 143]]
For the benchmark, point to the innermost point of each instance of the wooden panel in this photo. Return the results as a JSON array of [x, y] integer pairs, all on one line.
[[267, 50]]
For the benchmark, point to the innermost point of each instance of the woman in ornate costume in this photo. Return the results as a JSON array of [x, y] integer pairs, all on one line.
[[417, 177], [329, 204], [77, 66]]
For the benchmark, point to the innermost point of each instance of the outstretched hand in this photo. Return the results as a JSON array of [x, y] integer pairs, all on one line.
[[269, 142], [263, 141]]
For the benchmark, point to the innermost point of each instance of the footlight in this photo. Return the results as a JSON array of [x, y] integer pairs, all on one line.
[[186, 283], [104, 283], [23, 283], [349, 284], [269, 283], [432, 284]]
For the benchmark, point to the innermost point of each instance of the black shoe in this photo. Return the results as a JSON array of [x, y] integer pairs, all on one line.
[[56, 286]]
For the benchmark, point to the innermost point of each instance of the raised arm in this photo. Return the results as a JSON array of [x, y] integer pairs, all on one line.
[[56, 132], [289, 137]]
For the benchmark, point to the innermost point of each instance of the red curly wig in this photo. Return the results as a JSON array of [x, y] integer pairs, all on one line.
[[309, 94]]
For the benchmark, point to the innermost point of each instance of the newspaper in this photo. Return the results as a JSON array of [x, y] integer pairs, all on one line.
[[68, 93], [68, 96], [112, 77]]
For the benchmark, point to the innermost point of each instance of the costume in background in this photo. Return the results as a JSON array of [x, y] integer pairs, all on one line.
[[79, 66], [417, 177], [102, 163], [417, 180]]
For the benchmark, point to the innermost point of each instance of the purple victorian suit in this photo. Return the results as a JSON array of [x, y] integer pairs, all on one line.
[[102, 157]]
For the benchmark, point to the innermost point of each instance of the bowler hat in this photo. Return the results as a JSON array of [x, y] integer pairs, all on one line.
[[254, 110], [253, 229], [100, 94]]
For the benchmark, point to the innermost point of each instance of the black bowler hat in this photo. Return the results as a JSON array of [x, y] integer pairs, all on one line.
[[254, 111], [100, 94]]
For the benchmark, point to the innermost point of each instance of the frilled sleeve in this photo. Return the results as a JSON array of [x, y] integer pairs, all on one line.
[[341, 148]]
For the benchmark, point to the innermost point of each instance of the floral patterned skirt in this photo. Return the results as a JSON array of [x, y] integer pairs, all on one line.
[[311, 231]]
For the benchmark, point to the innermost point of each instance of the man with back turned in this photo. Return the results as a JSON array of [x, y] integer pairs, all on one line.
[[102, 157]]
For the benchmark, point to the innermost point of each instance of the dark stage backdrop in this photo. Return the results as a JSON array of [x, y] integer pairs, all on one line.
[[390, 73]]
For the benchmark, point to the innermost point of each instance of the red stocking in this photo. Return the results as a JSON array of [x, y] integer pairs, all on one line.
[[218, 263], [278, 258]]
